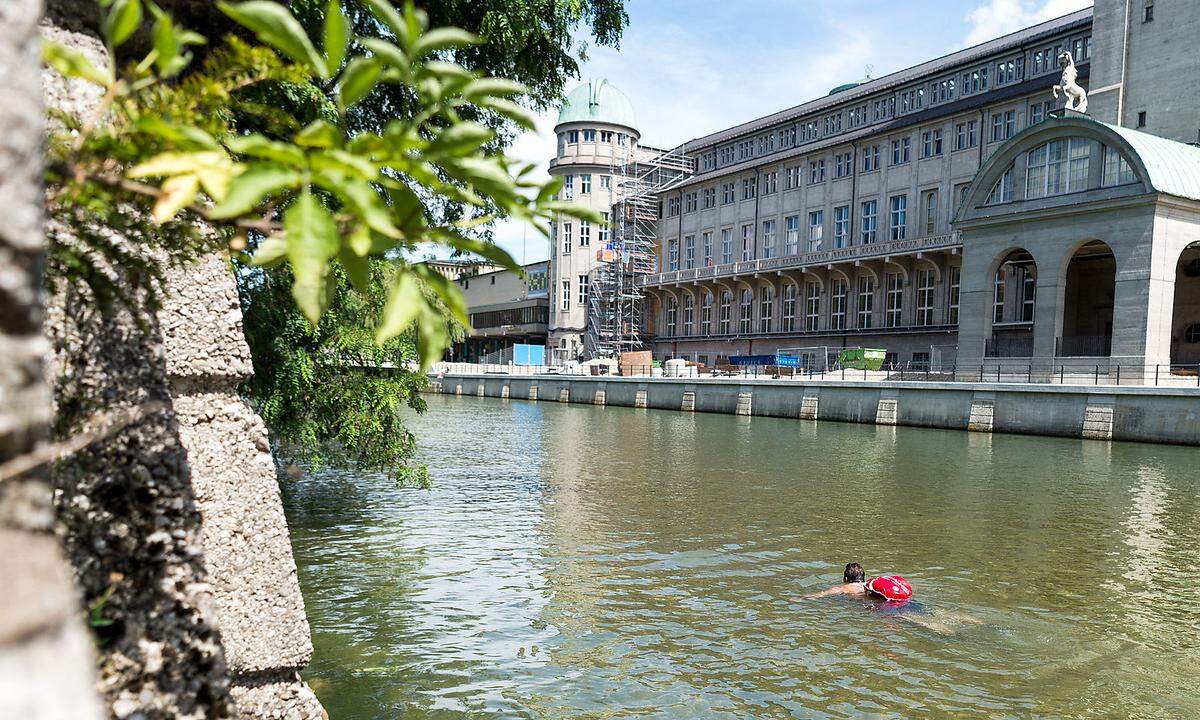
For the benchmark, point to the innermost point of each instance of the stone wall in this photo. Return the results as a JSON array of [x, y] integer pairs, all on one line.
[[45, 658], [174, 524]]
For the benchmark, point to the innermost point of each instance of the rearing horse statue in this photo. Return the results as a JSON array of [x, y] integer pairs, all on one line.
[[1076, 95]]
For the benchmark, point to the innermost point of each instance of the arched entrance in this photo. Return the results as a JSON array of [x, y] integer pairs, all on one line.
[[1014, 302], [1089, 294], [1185, 323]]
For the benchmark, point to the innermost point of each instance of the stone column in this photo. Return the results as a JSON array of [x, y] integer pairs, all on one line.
[[46, 661], [175, 524]]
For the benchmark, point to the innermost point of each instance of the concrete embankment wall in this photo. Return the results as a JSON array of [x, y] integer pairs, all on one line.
[[1142, 414]]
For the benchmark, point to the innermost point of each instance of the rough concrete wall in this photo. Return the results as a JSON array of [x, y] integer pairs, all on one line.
[[175, 523], [45, 659]]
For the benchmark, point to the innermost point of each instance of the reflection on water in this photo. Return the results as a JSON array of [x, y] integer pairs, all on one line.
[[579, 562]]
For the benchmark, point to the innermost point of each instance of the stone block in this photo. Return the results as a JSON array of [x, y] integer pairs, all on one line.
[[810, 406]]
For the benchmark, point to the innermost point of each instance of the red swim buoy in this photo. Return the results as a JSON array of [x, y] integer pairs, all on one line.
[[890, 587]]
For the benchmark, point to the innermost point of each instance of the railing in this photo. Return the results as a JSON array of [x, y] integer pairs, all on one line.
[[819, 257], [800, 333], [1083, 346], [1009, 346], [1044, 373]]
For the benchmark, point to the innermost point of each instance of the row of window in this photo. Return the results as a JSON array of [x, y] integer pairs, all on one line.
[[568, 238], [584, 186], [810, 309], [1003, 125], [564, 294], [515, 316], [1064, 166], [771, 244], [966, 83], [589, 135]]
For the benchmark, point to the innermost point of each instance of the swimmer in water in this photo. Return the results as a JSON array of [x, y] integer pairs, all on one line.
[[854, 582]]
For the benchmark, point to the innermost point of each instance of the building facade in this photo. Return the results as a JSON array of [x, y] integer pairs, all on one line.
[[505, 308], [870, 217]]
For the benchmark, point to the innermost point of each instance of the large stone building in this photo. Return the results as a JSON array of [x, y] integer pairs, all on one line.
[[506, 309], [952, 208]]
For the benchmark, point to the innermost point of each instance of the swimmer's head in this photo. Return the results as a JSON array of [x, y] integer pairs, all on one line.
[[854, 573]]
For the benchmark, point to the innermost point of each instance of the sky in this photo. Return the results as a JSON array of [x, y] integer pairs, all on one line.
[[692, 67]]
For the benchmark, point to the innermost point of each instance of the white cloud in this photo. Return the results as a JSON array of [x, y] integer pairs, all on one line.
[[1000, 17]]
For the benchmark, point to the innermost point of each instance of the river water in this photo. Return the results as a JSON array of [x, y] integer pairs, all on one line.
[[581, 562]]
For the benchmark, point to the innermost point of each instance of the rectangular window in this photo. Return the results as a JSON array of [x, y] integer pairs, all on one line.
[[770, 182], [931, 143], [572, 136], [791, 235], [589, 136], [816, 230], [812, 306], [1117, 170], [746, 313], [1058, 167], [606, 136], [766, 311], [689, 316], [870, 211], [726, 246], [955, 287], [583, 290], [843, 164], [870, 158], [706, 308], [707, 248], [672, 255], [901, 151], [727, 193], [672, 317], [749, 188], [998, 296], [816, 172], [585, 233], [585, 184], [1003, 125], [690, 201], [768, 239], [672, 207], [929, 202], [568, 190], [789, 307], [895, 300], [792, 178], [1028, 293], [898, 217], [605, 219], [747, 242], [566, 238], [925, 297], [837, 301], [966, 135], [689, 252], [710, 198], [866, 301], [566, 296], [726, 312], [841, 226]]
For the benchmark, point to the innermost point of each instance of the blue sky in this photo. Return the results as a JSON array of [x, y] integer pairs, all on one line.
[[691, 67]]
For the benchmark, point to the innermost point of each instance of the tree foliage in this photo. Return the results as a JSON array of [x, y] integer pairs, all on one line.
[[260, 144]]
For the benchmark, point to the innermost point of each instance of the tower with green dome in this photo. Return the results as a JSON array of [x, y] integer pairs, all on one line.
[[596, 133]]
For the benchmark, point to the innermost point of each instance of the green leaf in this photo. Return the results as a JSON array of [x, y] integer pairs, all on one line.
[[404, 304], [357, 81], [447, 291], [175, 163], [432, 338], [121, 20], [492, 87], [461, 138], [176, 193], [366, 203], [71, 63], [312, 241], [271, 251], [442, 39], [388, 53], [337, 35], [276, 26], [319, 134], [510, 110], [486, 250], [257, 183], [260, 147], [169, 42], [340, 161], [185, 137], [358, 269], [386, 13]]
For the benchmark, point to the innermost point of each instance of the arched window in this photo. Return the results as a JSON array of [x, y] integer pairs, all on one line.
[[766, 311], [706, 309], [1059, 167], [726, 312], [689, 313], [746, 313], [672, 316], [789, 307]]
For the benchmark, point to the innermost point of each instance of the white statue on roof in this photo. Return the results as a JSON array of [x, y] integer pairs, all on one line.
[[1076, 95]]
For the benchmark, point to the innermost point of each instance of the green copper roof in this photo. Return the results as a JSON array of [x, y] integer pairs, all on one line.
[[597, 101], [1173, 167]]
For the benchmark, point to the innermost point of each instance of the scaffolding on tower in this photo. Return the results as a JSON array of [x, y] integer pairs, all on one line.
[[616, 320]]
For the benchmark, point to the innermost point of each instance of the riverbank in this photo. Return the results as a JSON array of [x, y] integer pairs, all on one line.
[[1139, 414]]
